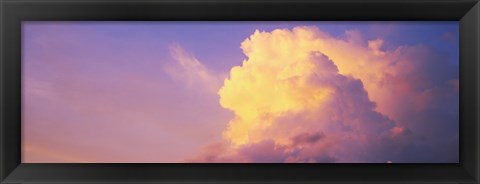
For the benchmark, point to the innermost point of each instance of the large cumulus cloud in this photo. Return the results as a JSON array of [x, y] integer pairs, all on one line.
[[303, 95]]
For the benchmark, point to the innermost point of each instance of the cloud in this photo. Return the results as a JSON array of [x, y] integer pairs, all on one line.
[[303, 95], [288, 100], [191, 72], [307, 138], [262, 152]]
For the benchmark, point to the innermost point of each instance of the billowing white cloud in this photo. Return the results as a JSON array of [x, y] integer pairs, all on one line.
[[303, 95]]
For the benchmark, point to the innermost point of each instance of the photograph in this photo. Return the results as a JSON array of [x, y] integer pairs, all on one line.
[[240, 92]]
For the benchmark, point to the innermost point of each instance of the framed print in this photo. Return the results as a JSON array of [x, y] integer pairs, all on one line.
[[239, 91]]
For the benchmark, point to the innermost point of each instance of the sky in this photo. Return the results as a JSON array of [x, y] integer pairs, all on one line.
[[240, 92]]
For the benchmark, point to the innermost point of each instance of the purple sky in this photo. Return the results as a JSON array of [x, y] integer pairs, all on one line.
[[105, 91]]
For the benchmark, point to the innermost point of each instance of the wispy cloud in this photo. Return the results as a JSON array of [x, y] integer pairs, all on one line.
[[191, 72]]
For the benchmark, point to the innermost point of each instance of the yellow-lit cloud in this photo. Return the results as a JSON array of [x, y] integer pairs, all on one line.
[[286, 73], [303, 95]]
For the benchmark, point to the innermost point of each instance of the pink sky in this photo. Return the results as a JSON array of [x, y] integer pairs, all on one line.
[[284, 92]]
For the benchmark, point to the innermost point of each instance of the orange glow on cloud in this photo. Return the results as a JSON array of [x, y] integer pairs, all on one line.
[[288, 72], [307, 96]]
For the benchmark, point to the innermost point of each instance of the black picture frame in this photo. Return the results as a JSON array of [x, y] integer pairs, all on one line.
[[13, 12]]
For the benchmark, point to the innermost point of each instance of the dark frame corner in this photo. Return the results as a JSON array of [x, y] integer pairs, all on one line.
[[12, 12]]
